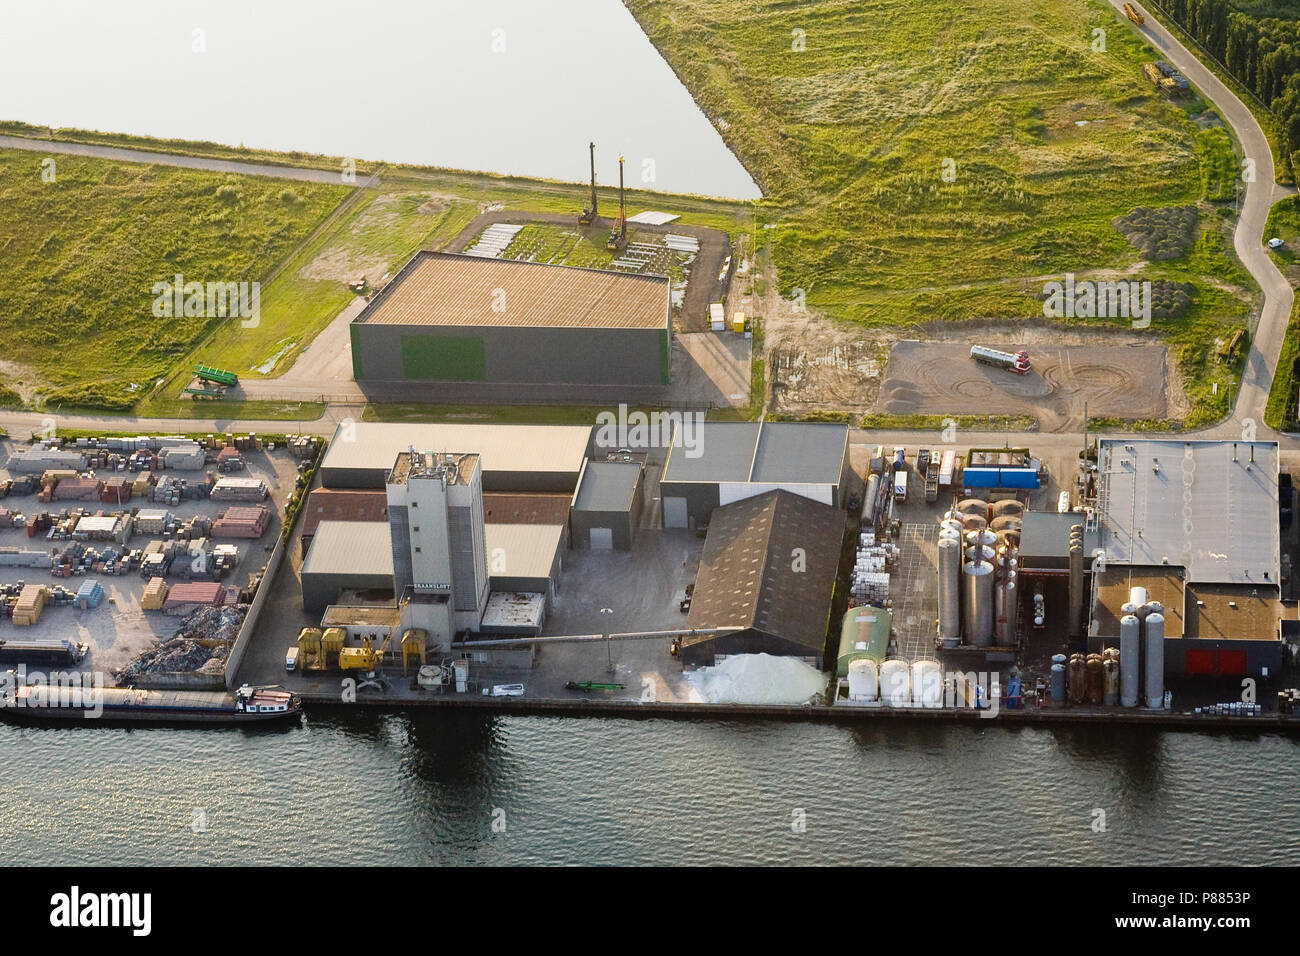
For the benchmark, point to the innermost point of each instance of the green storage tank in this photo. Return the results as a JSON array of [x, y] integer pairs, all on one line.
[[864, 634]]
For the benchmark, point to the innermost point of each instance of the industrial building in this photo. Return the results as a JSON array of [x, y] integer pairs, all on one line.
[[731, 461], [451, 318], [525, 558], [768, 567], [1195, 525], [607, 505], [514, 458], [346, 556], [324, 504]]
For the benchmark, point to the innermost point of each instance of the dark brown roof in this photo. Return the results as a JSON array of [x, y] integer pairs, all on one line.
[[526, 509], [748, 576], [324, 504]]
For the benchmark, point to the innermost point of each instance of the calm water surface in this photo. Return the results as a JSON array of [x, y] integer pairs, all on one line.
[[512, 86], [421, 789]]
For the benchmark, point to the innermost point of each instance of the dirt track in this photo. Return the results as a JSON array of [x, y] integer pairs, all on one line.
[[939, 378]]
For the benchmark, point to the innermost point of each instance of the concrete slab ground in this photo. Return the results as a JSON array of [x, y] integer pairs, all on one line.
[[119, 629], [711, 369]]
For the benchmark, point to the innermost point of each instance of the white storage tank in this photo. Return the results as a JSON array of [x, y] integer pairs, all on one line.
[[1130, 641], [864, 681], [977, 603], [950, 592], [1137, 595], [1154, 664], [896, 683], [927, 683]]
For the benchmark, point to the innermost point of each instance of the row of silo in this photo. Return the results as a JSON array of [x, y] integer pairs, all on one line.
[[1142, 651], [978, 545], [897, 683], [1074, 616]]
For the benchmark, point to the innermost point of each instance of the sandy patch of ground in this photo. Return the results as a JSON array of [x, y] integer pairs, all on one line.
[[23, 379]]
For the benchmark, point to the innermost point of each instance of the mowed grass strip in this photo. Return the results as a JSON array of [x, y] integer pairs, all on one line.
[[82, 253]]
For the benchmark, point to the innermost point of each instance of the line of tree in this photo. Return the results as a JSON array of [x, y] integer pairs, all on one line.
[[1262, 54]]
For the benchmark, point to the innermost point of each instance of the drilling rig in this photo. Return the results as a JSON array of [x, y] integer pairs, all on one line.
[[589, 212], [618, 235]]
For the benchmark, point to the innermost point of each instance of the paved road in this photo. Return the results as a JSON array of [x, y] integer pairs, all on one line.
[[1249, 237], [127, 155]]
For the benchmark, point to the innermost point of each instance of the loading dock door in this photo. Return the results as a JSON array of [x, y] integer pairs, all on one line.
[[675, 513], [602, 539]]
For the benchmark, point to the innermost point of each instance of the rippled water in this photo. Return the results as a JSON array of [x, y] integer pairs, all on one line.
[[511, 86], [375, 788]]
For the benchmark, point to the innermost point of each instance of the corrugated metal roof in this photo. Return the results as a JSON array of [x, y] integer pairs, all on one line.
[[747, 577], [445, 289], [767, 453], [526, 508], [522, 550], [607, 486], [325, 504], [501, 448], [361, 548], [1202, 505]]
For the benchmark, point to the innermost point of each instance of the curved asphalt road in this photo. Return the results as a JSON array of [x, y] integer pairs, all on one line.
[[1248, 239]]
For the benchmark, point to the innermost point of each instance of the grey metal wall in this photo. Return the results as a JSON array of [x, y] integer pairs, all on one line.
[[559, 482], [319, 591], [701, 498], [620, 523], [399, 524], [544, 356]]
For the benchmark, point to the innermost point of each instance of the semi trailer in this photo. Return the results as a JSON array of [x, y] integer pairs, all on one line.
[[1017, 362]]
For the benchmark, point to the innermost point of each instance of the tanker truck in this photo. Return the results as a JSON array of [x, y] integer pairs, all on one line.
[[1011, 361]]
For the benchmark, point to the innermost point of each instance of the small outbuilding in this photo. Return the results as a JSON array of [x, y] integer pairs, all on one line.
[[607, 504]]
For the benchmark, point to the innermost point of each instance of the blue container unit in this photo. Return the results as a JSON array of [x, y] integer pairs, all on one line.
[[993, 476], [1013, 693]]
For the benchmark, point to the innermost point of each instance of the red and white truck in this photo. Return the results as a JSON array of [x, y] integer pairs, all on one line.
[[1017, 362]]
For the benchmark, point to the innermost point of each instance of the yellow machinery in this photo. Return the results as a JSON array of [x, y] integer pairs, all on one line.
[[414, 642], [364, 658], [309, 646], [331, 644]]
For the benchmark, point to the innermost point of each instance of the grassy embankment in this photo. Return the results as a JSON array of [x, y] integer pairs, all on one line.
[[1282, 411], [1045, 140]]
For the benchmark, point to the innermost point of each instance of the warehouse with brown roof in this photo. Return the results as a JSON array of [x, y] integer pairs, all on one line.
[[452, 318]]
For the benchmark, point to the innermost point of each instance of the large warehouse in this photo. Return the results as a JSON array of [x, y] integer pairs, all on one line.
[[515, 458], [1196, 524], [768, 568], [449, 318], [730, 461]]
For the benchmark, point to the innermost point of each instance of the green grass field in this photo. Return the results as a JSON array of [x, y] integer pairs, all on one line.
[[82, 253], [927, 162]]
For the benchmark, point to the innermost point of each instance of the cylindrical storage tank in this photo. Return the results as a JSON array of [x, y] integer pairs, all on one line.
[[1076, 590], [896, 683], [1137, 595], [1004, 609], [977, 603], [1096, 679], [981, 553], [1151, 607], [1056, 683], [1130, 642], [948, 534], [1006, 523], [927, 683], [951, 515], [1078, 674], [973, 506], [1110, 672], [952, 523], [1128, 607], [981, 537], [873, 495], [1009, 539], [974, 522], [1153, 664], [864, 682], [950, 592], [1007, 507]]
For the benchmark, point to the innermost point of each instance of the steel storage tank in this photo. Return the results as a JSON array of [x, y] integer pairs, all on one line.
[[1154, 661], [974, 522], [1151, 607], [1007, 507], [1078, 675], [1130, 642], [863, 680], [1137, 595], [1004, 608], [1056, 683], [1096, 679], [973, 506], [950, 592], [1110, 673], [873, 495], [1006, 523], [896, 683], [927, 683], [948, 534], [980, 553], [977, 603], [981, 536], [953, 523]]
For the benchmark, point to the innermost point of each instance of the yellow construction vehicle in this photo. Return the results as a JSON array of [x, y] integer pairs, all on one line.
[[364, 658]]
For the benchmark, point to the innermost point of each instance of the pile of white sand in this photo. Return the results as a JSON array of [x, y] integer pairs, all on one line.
[[757, 679]]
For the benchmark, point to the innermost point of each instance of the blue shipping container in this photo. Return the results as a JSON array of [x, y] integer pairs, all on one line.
[[994, 477]]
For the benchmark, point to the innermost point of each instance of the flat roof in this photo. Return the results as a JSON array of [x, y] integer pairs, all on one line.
[[538, 508], [1208, 506], [354, 548], [501, 448], [456, 467], [607, 486], [515, 609], [1046, 534], [1113, 585], [1233, 612], [522, 550], [765, 453], [327, 504], [747, 578], [451, 289], [339, 615]]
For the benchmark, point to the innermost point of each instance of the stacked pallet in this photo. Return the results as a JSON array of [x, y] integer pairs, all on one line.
[[166, 491], [18, 558], [143, 482], [78, 489], [239, 489], [152, 521], [187, 456], [37, 460], [6, 518], [90, 594], [31, 602], [155, 594], [242, 522], [116, 491], [230, 459], [302, 446], [184, 597]]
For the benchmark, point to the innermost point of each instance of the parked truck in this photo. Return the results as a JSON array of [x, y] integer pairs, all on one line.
[[900, 485], [932, 479], [1017, 362]]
